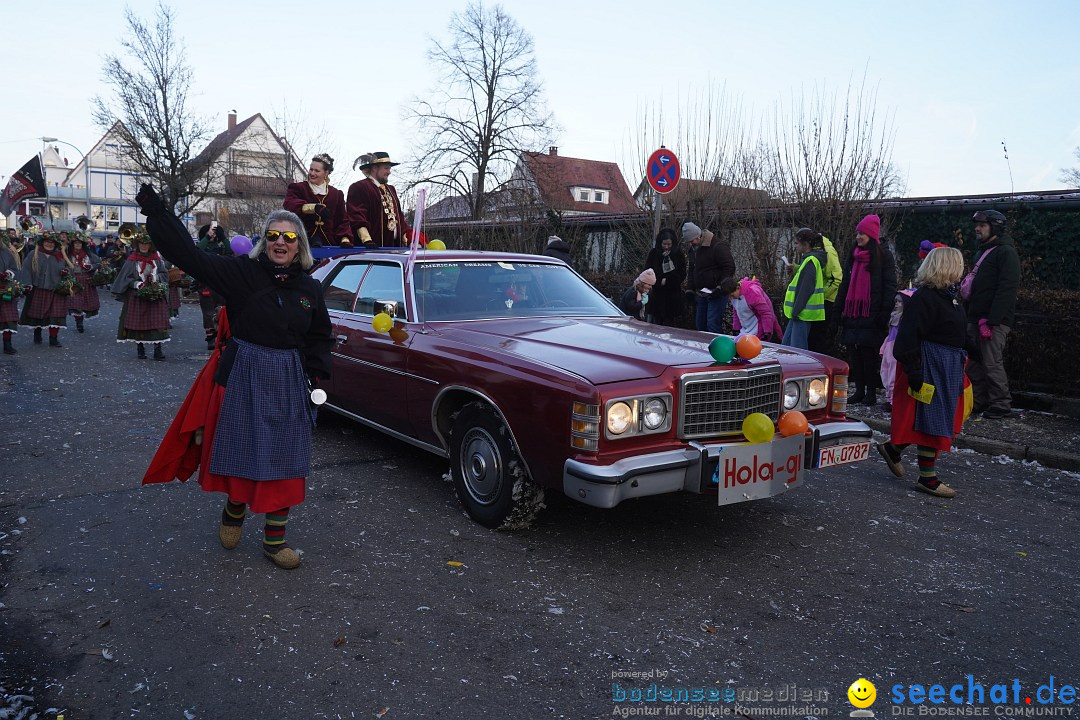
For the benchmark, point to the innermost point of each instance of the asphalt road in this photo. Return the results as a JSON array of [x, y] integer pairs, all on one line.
[[117, 601]]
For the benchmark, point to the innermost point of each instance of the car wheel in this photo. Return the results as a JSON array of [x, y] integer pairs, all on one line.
[[489, 477]]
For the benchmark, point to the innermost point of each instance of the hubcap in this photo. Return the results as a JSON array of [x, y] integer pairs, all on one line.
[[481, 466]]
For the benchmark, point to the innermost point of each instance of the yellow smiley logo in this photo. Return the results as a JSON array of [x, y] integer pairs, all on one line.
[[862, 693]]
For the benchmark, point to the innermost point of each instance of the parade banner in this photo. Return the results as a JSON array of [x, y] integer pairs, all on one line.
[[28, 182]]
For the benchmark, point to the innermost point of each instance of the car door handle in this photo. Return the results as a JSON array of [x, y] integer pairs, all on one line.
[[342, 339]]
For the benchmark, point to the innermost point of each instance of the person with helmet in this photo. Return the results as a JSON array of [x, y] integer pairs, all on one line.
[[804, 302], [989, 293]]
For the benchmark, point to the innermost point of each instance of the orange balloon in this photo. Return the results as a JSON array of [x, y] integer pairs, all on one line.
[[748, 347], [791, 423]]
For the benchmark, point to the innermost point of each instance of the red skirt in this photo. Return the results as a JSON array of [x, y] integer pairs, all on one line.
[[178, 456], [86, 301], [902, 426]]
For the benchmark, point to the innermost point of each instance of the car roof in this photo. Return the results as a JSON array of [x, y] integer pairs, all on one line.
[[422, 256]]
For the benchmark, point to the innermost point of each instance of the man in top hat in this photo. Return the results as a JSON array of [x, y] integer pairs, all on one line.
[[320, 205], [373, 207]]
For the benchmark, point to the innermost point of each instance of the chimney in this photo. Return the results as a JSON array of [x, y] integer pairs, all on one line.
[[553, 150], [232, 120]]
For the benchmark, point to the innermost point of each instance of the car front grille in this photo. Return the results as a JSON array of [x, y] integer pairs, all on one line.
[[716, 403]]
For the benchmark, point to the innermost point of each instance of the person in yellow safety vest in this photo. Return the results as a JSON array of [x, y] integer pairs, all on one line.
[[804, 302], [820, 332]]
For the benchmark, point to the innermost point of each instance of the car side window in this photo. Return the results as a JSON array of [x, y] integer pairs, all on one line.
[[382, 284], [340, 292]]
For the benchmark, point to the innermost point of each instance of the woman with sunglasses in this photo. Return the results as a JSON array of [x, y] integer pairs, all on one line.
[[256, 417]]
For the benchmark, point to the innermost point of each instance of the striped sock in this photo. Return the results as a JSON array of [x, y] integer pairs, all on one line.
[[275, 529], [928, 466], [233, 514]]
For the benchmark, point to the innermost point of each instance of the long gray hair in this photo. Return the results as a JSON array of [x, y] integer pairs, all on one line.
[[304, 253]]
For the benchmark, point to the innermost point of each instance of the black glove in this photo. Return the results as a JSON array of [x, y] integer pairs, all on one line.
[[322, 211], [149, 201], [915, 380]]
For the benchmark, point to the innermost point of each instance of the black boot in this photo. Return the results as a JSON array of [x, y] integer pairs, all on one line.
[[9, 349], [78, 323], [54, 341], [37, 336], [158, 353], [858, 395], [870, 397], [210, 339], [140, 351]]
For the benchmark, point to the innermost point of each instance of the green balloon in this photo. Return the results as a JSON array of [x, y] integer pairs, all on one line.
[[722, 348]]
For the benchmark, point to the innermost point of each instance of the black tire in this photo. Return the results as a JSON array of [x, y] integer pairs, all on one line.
[[489, 477]]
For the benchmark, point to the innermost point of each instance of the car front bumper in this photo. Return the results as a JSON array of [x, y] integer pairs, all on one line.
[[686, 469]]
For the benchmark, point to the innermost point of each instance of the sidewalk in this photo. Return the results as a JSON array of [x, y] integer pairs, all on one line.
[[1050, 439]]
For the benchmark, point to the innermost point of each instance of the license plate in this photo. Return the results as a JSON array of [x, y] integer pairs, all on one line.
[[842, 454], [745, 471]]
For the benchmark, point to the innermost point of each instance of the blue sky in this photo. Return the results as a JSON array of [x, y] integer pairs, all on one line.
[[954, 78]]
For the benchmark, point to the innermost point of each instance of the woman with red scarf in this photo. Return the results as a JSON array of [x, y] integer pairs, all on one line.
[[51, 277], [865, 300], [84, 303], [143, 285]]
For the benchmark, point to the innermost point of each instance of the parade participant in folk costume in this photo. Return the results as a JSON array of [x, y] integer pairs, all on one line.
[[374, 211], [12, 281], [931, 352], [142, 284], [52, 280], [280, 345], [212, 240], [85, 303], [320, 205]]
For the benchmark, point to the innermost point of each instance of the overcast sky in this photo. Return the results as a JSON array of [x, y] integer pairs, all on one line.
[[955, 78]]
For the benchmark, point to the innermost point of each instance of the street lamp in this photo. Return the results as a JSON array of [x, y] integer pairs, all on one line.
[[86, 167]]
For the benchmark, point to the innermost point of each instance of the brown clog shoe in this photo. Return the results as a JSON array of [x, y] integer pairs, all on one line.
[[942, 490], [229, 535], [285, 557]]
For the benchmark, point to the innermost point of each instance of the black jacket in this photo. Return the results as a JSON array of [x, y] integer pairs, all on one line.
[[713, 263], [666, 299], [872, 329], [270, 306], [930, 315], [993, 293]]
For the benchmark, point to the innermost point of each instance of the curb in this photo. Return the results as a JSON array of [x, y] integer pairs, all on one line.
[[1048, 457]]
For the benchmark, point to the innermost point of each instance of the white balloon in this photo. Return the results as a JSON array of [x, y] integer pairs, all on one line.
[[318, 396]]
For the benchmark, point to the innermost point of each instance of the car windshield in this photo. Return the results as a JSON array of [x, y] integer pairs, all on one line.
[[471, 290]]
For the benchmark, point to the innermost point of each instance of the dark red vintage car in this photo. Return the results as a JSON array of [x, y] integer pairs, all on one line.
[[528, 379]]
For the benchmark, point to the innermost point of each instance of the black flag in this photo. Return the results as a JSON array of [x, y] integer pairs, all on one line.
[[28, 182]]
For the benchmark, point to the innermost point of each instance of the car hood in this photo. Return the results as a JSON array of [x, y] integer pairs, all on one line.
[[606, 350]]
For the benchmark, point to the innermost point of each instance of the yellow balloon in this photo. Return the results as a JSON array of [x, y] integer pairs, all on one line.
[[382, 323], [436, 245], [758, 428]]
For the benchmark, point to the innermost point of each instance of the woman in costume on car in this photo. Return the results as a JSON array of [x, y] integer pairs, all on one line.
[[320, 205], [142, 284], [280, 345], [50, 277], [929, 350], [84, 303]]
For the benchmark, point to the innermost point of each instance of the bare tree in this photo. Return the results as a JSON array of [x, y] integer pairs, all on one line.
[[158, 133], [1071, 176], [487, 108]]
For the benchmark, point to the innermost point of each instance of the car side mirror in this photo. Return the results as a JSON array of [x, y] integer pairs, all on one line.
[[390, 307]]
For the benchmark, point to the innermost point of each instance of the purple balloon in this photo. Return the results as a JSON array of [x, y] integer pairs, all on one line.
[[240, 244]]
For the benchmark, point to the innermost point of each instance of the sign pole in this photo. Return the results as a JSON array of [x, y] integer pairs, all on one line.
[[657, 205]]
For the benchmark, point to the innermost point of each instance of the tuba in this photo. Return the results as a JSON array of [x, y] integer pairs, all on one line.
[[85, 223], [126, 233]]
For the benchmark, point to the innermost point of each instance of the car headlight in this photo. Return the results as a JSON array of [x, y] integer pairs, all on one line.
[[655, 413], [619, 418], [791, 394], [815, 393]]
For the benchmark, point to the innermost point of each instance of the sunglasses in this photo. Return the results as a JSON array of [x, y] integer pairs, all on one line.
[[288, 236]]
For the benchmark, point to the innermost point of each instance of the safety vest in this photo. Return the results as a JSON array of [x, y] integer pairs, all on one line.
[[815, 306]]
